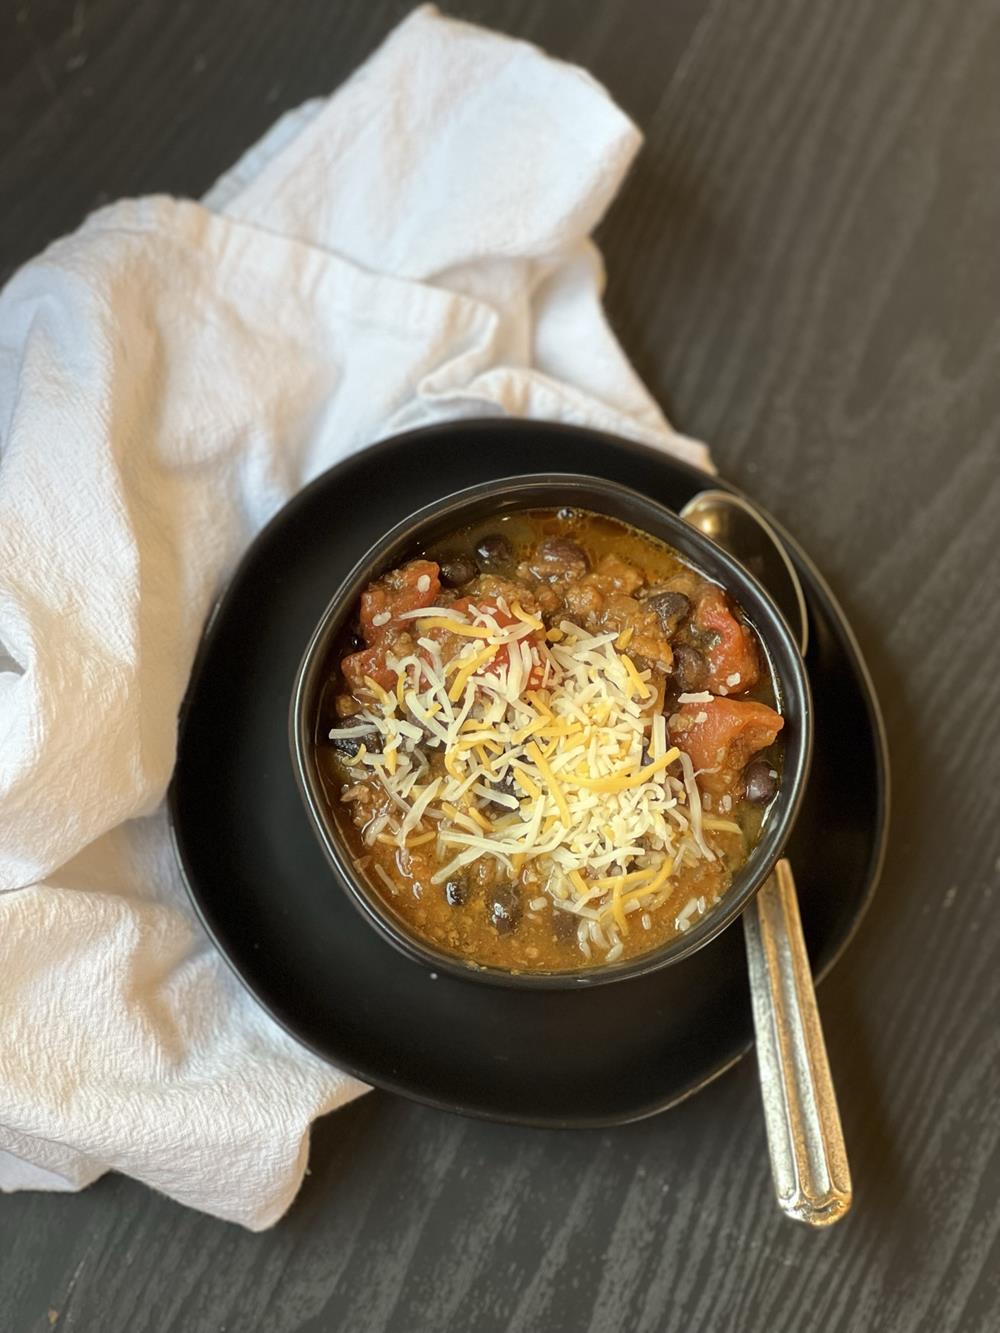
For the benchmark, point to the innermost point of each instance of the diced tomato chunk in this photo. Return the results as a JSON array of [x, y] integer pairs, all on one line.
[[466, 606], [381, 605], [732, 658], [729, 732], [397, 592], [501, 658], [368, 662]]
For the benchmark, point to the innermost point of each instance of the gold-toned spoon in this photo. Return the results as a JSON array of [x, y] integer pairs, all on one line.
[[806, 1143]]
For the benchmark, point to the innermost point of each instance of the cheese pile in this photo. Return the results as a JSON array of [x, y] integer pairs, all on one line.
[[539, 748]]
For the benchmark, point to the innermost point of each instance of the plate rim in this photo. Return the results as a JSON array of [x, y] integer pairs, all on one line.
[[657, 455]]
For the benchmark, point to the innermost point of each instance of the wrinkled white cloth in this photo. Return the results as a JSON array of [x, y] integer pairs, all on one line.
[[412, 249]]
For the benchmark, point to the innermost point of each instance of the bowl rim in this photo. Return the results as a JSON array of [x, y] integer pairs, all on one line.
[[511, 494]]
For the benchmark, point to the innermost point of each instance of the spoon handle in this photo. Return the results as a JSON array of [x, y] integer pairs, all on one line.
[[808, 1158]]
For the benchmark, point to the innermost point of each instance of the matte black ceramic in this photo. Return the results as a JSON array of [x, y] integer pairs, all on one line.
[[261, 885], [419, 532]]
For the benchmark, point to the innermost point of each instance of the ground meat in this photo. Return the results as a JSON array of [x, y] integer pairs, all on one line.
[[583, 601], [616, 575], [597, 612], [649, 645], [549, 601], [365, 802], [490, 587]]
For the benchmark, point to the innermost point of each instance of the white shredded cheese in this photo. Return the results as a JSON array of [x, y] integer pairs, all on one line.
[[421, 611]]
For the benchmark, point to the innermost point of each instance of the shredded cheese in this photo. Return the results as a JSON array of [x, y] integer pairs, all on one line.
[[466, 670], [640, 686], [542, 764], [523, 616], [622, 781], [453, 627], [574, 780]]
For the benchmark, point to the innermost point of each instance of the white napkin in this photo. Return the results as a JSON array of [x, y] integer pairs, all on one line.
[[412, 249]]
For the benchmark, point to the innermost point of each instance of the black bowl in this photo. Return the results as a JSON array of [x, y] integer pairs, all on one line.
[[438, 520]]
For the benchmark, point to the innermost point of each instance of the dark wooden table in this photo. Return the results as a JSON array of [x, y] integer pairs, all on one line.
[[805, 267]]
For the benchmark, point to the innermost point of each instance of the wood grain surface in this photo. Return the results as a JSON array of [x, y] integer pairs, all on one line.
[[805, 267]]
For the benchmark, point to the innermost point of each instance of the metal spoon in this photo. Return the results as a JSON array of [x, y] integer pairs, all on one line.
[[806, 1143]]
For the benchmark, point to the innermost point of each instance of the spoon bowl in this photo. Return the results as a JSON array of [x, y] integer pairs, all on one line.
[[805, 1140], [735, 525]]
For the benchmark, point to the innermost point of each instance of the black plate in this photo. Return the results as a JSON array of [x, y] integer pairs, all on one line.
[[264, 890]]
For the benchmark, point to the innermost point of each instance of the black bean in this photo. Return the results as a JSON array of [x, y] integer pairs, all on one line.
[[759, 784], [350, 745], [457, 570], [670, 607], [690, 669], [563, 556], [503, 905], [456, 891], [507, 784], [494, 551], [564, 924]]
